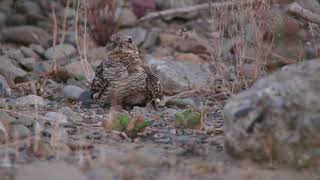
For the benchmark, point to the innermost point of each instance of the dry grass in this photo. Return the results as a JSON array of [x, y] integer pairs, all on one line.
[[231, 26]]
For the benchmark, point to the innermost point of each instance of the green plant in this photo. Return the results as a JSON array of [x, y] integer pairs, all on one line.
[[130, 125], [120, 122], [189, 119]]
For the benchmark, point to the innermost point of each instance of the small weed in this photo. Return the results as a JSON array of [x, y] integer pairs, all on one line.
[[130, 125], [80, 78], [189, 119]]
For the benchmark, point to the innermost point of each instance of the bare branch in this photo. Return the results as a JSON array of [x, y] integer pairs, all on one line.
[[295, 8], [184, 10]]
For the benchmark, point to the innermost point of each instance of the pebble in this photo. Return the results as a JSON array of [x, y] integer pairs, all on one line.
[[56, 117], [19, 131], [72, 92], [62, 51], [29, 100], [5, 89]]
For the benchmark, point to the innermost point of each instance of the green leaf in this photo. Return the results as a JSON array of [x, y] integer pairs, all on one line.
[[80, 78], [143, 125], [189, 119], [187, 114], [121, 122], [194, 121], [179, 119]]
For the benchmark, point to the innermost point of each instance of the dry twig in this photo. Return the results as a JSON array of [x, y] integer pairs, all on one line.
[[295, 8], [186, 10]]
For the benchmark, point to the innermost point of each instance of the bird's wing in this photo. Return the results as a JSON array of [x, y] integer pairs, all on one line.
[[108, 71], [153, 85]]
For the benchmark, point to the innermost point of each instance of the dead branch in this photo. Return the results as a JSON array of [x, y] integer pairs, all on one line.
[[295, 8], [184, 10]]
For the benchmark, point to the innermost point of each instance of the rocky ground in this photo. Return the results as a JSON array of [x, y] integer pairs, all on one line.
[[51, 129]]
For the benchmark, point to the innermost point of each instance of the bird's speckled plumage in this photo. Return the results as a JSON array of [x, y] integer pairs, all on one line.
[[123, 79]]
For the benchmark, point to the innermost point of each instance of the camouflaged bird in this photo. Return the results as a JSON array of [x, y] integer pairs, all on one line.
[[123, 79]]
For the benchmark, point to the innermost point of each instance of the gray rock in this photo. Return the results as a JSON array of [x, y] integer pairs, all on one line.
[[139, 34], [278, 118], [9, 70], [28, 52], [29, 100], [24, 120], [76, 69], [312, 5], [61, 51], [28, 7], [125, 17], [72, 115], [42, 68], [38, 49], [27, 63], [85, 97], [151, 38], [15, 54], [177, 77], [72, 92], [19, 131], [15, 19], [5, 118], [68, 12], [5, 89], [26, 35], [56, 117]]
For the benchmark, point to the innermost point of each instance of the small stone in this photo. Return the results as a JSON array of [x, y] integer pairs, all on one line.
[[28, 52], [14, 54], [62, 51], [27, 63], [139, 34], [76, 69], [125, 17], [16, 20], [85, 97], [5, 89], [19, 131], [24, 120], [168, 39], [189, 57], [69, 13], [29, 100], [9, 70], [42, 68], [56, 117], [38, 49], [72, 115], [26, 35], [72, 92], [151, 38], [94, 135], [173, 131], [29, 8]]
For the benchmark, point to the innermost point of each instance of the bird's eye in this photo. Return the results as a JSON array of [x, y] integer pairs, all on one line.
[[130, 40]]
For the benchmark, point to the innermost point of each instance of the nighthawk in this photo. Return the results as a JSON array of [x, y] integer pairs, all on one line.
[[123, 79]]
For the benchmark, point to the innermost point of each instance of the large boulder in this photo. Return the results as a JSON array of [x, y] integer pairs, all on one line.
[[278, 118], [177, 76], [26, 35]]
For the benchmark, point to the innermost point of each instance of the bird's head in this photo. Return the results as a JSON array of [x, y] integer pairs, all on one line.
[[121, 43]]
